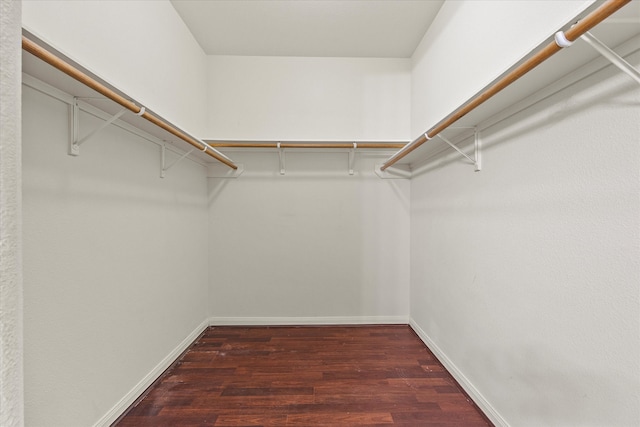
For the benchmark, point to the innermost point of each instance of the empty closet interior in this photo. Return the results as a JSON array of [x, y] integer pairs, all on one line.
[[484, 189]]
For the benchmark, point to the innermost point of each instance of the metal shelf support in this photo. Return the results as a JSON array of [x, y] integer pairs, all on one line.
[[611, 55], [76, 140], [476, 160], [163, 159]]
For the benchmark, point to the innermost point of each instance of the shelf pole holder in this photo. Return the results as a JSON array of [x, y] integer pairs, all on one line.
[[611, 55]]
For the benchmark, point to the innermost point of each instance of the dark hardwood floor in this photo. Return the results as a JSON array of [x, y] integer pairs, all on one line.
[[306, 376]]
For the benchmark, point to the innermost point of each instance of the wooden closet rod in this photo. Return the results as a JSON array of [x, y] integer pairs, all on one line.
[[51, 59], [572, 34], [393, 145]]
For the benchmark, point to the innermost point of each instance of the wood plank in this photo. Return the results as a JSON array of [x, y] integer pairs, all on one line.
[[311, 376]]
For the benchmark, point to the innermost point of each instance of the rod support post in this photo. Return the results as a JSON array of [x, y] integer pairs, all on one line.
[[477, 144], [74, 124], [352, 157], [282, 158]]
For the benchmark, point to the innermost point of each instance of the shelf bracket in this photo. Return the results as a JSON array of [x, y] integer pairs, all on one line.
[[352, 157], [76, 140], [281, 156], [476, 160], [163, 159], [612, 56]]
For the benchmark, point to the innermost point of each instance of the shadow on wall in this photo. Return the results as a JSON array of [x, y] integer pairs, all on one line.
[[548, 111], [548, 386], [302, 165]]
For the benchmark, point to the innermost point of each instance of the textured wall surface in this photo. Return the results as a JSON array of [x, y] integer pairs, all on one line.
[[115, 263], [11, 377], [526, 274]]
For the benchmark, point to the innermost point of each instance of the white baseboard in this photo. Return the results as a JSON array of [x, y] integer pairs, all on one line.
[[139, 388], [477, 397], [329, 320]]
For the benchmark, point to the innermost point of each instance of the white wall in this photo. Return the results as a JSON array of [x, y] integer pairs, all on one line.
[[314, 245], [471, 43], [281, 98], [141, 47], [11, 329], [525, 276], [114, 263]]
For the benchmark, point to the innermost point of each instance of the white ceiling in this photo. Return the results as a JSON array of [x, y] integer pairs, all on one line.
[[329, 28]]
